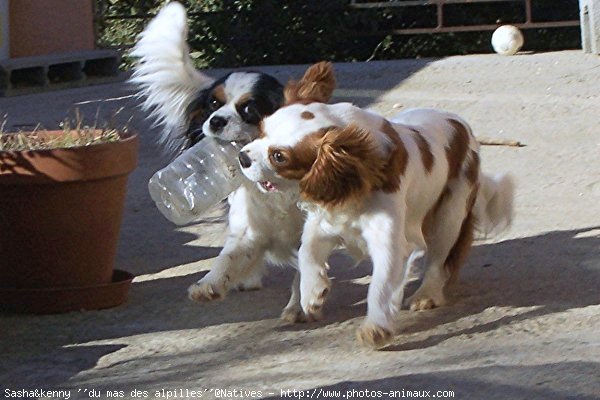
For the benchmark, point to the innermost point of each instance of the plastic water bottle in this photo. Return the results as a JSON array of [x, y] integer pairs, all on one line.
[[197, 180]]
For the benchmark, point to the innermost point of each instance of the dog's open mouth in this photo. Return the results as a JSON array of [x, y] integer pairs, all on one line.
[[268, 186]]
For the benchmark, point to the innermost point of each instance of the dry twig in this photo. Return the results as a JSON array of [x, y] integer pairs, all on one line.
[[499, 142]]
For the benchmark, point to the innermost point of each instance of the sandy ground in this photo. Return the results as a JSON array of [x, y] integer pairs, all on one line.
[[523, 323]]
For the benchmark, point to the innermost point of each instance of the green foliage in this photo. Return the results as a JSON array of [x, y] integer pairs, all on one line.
[[258, 32], [233, 33]]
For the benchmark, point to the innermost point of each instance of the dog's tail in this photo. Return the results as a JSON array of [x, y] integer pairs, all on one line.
[[165, 75], [493, 209]]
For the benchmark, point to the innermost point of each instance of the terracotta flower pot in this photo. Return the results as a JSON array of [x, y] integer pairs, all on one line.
[[60, 216]]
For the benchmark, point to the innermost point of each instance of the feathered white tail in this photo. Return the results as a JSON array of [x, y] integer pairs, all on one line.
[[494, 205], [165, 75]]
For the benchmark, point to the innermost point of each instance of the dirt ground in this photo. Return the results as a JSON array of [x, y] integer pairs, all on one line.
[[523, 322]]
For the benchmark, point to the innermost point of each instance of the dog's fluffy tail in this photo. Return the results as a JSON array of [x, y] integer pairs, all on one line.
[[164, 73], [493, 209]]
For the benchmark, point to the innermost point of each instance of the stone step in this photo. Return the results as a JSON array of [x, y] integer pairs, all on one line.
[[26, 75]]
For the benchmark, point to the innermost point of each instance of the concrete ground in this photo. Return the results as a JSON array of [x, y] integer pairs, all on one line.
[[523, 322]]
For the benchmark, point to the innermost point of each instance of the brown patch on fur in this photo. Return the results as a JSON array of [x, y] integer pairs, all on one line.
[[195, 113], [457, 148], [462, 247], [307, 115], [300, 158], [304, 102], [219, 94], [243, 99], [427, 224], [456, 153], [472, 170], [261, 129], [397, 159], [348, 166], [424, 149], [429, 219], [472, 198], [316, 85]]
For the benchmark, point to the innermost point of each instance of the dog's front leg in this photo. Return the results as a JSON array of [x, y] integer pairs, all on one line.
[[312, 259], [293, 310], [388, 248], [242, 256]]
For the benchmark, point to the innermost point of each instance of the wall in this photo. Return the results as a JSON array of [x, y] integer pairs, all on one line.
[[50, 26], [4, 48]]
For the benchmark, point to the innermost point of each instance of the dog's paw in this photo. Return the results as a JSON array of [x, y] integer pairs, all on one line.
[[313, 301], [294, 314], [203, 292], [425, 301], [374, 336]]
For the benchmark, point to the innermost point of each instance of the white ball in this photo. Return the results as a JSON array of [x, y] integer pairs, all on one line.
[[507, 40]]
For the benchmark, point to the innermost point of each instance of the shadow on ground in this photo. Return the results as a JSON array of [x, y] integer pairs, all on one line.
[[555, 272], [557, 381], [509, 273], [538, 271]]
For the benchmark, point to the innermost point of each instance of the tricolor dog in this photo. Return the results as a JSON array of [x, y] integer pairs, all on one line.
[[189, 105]]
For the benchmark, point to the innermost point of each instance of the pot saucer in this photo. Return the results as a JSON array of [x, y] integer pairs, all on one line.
[[64, 299]]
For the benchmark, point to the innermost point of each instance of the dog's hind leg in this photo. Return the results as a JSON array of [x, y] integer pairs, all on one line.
[[449, 236]]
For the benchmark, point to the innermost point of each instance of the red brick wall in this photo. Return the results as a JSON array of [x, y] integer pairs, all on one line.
[[39, 27]]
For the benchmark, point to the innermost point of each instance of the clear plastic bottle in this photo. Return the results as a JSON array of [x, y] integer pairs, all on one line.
[[197, 180]]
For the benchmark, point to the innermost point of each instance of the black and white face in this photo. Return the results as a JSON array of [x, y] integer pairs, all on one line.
[[233, 106], [289, 139]]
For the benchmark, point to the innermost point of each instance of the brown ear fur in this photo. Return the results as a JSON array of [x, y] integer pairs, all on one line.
[[316, 85], [348, 166]]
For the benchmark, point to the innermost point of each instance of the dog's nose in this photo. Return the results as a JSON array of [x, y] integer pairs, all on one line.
[[217, 123], [245, 160]]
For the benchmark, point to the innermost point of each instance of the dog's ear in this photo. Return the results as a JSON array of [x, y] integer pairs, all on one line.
[[316, 85], [196, 113], [348, 166]]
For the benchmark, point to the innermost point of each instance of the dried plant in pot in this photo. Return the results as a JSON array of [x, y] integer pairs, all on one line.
[[63, 195]]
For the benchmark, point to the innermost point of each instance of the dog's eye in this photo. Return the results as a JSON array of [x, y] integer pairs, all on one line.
[[250, 113], [250, 109], [214, 104], [278, 157]]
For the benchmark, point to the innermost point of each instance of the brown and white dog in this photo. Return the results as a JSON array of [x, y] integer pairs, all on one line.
[[380, 188]]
